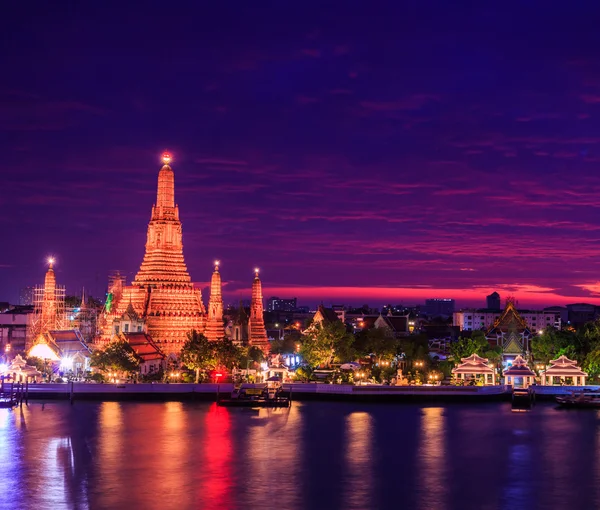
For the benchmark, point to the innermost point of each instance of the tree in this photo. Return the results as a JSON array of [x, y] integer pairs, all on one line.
[[326, 343], [464, 346], [591, 364], [227, 354], [198, 354], [118, 355], [285, 346], [250, 356]]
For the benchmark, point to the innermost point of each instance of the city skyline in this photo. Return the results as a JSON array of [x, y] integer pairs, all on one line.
[[352, 163]]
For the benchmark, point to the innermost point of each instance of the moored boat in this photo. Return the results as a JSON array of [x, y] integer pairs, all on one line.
[[580, 400], [251, 395]]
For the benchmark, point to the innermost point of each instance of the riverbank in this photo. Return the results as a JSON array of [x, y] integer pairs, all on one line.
[[297, 391]]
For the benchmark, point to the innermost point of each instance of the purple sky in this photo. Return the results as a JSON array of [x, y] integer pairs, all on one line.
[[355, 154]]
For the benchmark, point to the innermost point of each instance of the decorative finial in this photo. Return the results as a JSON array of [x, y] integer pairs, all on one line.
[[256, 271], [51, 262], [217, 263], [166, 158]]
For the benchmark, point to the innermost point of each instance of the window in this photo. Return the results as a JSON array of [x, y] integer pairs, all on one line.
[[126, 328]]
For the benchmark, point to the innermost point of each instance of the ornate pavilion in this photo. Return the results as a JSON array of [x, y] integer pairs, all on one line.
[[162, 301], [475, 368], [518, 374], [563, 371], [510, 332]]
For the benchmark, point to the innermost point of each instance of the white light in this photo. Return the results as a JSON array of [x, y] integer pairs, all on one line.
[[3, 368], [66, 364]]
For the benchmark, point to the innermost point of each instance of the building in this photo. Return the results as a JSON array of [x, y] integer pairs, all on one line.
[[275, 304], [580, 313], [162, 292], [493, 301], [510, 332], [15, 330], [438, 307], [473, 319]]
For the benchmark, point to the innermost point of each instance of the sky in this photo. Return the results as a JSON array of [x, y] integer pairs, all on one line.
[[356, 152]]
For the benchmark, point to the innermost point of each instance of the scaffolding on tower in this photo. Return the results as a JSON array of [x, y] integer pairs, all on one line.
[[49, 312]]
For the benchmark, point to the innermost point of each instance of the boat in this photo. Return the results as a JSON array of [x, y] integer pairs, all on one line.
[[8, 400], [256, 395], [579, 400]]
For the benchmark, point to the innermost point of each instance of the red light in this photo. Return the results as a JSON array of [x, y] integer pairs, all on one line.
[[218, 375]]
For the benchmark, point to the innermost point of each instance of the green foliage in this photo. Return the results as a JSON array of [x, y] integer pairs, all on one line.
[[377, 342], [464, 347], [591, 364], [251, 356], [327, 343], [198, 354], [39, 364], [117, 356], [303, 373]]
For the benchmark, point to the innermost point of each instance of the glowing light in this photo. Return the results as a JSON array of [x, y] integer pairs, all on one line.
[[43, 351], [51, 261], [3, 368], [66, 364], [256, 271], [166, 158]]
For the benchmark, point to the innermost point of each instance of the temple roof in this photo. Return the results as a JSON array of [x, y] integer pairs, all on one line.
[[144, 346], [519, 368], [325, 314], [510, 320], [473, 364], [564, 367], [69, 342]]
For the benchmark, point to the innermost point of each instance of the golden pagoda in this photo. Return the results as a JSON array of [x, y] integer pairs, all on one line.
[[257, 334], [162, 293], [215, 328]]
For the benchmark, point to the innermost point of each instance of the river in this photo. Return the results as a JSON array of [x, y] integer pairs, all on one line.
[[316, 455]]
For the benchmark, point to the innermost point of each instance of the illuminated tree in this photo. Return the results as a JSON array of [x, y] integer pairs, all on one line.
[[198, 354], [326, 343], [117, 356]]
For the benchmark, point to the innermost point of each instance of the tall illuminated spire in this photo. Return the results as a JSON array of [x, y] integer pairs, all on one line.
[[163, 260], [215, 329], [257, 334], [165, 196]]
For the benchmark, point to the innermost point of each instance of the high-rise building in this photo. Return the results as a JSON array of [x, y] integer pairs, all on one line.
[[493, 301], [438, 307], [275, 304], [162, 293]]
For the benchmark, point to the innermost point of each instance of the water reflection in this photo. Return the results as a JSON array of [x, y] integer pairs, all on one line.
[[216, 487], [432, 475], [314, 455], [358, 458]]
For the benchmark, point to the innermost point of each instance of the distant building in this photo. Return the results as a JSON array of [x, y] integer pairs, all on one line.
[[15, 330], [473, 319], [493, 301], [26, 296], [580, 313], [438, 307], [275, 304]]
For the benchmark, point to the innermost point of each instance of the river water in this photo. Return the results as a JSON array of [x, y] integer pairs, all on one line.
[[315, 455]]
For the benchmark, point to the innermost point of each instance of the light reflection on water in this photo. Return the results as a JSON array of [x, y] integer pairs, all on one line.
[[314, 455]]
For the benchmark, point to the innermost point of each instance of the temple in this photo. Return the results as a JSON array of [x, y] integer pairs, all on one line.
[[49, 305], [510, 332], [215, 327], [257, 334], [162, 295]]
